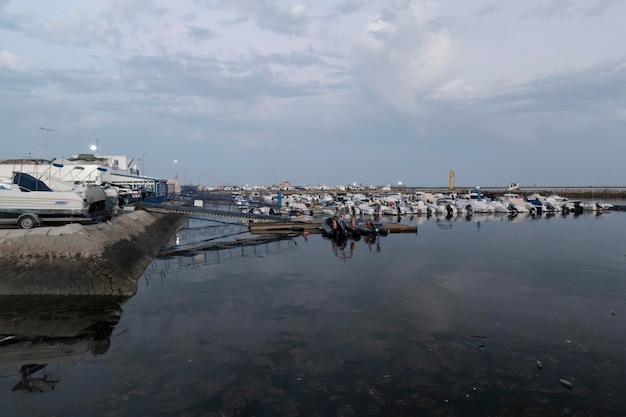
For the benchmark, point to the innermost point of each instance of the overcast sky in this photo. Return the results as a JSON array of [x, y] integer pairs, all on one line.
[[322, 91]]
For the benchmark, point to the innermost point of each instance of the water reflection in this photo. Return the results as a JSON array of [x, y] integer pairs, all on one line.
[[453, 323], [342, 248], [42, 330]]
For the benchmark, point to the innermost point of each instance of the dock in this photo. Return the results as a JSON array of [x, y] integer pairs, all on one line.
[[261, 223]]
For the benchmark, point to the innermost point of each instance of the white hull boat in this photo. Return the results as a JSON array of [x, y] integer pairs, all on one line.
[[28, 208]]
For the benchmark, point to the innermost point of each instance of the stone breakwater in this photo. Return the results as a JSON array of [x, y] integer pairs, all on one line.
[[99, 259]]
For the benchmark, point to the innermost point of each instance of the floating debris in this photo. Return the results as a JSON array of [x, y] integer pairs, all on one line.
[[481, 346], [566, 383], [539, 364]]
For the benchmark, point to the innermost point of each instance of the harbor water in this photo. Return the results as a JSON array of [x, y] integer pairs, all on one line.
[[470, 316]]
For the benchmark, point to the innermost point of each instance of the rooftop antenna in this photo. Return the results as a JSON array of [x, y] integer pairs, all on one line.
[[47, 130]]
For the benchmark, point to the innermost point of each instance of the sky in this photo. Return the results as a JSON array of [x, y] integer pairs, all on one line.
[[322, 92]]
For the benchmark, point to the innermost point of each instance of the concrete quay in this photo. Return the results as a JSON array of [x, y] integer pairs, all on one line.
[[98, 259]]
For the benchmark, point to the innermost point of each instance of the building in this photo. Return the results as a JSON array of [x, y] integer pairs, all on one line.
[[119, 171]]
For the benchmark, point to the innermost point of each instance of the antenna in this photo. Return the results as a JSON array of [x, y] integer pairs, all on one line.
[[47, 130]]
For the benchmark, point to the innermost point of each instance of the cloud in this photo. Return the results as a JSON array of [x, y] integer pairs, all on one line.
[[10, 61], [551, 9], [564, 9], [199, 34], [490, 8], [402, 60], [350, 6], [271, 15], [600, 7], [593, 91]]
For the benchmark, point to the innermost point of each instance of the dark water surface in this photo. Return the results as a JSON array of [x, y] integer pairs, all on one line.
[[451, 321]]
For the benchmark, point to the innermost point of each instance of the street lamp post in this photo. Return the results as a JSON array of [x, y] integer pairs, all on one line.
[[143, 169]]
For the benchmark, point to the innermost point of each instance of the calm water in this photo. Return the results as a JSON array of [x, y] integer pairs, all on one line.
[[451, 321]]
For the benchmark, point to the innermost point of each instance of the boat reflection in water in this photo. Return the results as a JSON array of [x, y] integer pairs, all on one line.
[[39, 330]]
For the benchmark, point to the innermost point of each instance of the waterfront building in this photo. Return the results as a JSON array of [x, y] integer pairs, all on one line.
[[118, 170]]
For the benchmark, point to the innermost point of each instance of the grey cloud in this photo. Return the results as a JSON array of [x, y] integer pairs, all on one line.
[[243, 79], [349, 6], [297, 59], [567, 9], [591, 91], [600, 7], [441, 23], [130, 11], [236, 21], [81, 31], [199, 34], [388, 14], [279, 21], [20, 82], [17, 22], [552, 9], [490, 8], [560, 9], [267, 14]]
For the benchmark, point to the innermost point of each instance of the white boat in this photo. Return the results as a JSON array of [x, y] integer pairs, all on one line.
[[19, 206], [366, 209], [517, 204], [551, 204], [445, 207], [573, 206], [417, 207], [499, 207], [557, 199], [94, 194], [395, 210], [593, 206], [473, 203], [241, 202]]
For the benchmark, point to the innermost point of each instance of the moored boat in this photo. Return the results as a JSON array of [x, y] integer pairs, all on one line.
[[332, 227]]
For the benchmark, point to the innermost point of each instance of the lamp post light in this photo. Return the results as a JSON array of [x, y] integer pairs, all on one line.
[[96, 147], [178, 187]]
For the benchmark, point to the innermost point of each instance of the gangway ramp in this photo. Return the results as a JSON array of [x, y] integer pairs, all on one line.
[[201, 211]]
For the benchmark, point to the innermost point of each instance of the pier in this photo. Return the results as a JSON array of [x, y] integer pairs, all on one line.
[[260, 223]]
